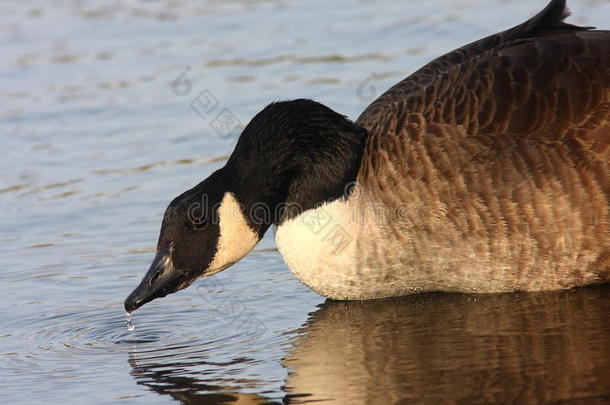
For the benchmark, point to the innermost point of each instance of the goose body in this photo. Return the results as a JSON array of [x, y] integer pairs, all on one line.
[[487, 170]]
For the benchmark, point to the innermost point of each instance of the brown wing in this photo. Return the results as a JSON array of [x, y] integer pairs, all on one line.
[[509, 135], [544, 80]]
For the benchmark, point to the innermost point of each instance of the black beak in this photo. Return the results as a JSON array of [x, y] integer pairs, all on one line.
[[162, 279]]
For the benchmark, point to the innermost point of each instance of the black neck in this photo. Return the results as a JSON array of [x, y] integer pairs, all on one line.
[[293, 156]]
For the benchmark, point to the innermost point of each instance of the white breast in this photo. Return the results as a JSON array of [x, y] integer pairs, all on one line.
[[356, 249], [319, 248], [349, 249]]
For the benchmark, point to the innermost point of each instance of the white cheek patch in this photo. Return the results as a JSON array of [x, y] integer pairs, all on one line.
[[236, 239]]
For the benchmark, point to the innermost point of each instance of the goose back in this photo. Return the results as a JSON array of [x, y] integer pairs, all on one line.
[[498, 155]]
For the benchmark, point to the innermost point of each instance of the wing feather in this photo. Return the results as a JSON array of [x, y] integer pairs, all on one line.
[[506, 143], [544, 80]]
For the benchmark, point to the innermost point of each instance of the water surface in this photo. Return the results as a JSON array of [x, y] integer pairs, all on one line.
[[99, 133]]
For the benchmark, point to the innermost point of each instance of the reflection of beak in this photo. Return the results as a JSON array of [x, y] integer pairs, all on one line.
[[162, 279]]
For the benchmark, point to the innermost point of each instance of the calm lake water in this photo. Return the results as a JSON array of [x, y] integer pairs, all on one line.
[[97, 140]]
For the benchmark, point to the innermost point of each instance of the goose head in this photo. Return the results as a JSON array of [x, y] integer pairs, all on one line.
[[293, 156]]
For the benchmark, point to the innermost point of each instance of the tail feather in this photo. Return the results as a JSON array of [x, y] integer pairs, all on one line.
[[552, 17]]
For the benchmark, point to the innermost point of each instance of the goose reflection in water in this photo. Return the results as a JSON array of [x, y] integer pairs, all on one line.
[[523, 347], [173, 379]]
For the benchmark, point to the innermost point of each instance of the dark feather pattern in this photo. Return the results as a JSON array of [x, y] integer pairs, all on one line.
[[507, 142]]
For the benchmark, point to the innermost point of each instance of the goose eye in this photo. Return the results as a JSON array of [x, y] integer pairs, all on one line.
[[200, 224]]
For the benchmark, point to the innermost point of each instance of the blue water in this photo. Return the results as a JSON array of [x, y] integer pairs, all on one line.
[[109, 109]]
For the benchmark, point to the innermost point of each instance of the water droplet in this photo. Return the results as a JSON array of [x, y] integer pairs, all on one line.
[[130, 325]]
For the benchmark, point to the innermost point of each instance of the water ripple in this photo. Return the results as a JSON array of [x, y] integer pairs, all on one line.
[[72, 332]]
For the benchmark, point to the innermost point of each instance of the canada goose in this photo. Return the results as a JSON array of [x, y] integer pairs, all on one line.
[[487, 170]]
